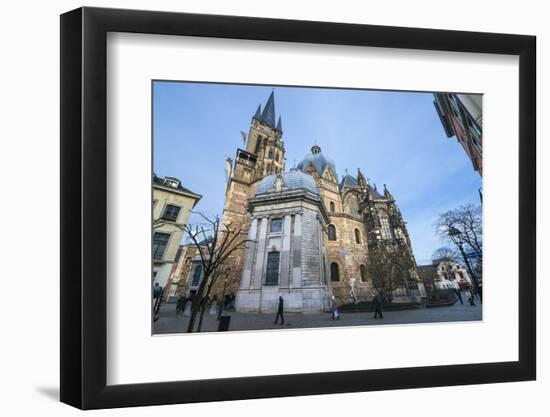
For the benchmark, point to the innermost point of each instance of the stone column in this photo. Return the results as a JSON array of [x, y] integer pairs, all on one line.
[[260, 255], [297, 255], [249, 257], [285, 254]]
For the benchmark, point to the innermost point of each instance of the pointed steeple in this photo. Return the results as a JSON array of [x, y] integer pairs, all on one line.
[[279, 125], [268, 115], [361, 180], [258, 115]]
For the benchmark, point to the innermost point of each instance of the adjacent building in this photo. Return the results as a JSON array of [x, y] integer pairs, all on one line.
[[172, 205], [313, 235], [461, 117], [444, 274]]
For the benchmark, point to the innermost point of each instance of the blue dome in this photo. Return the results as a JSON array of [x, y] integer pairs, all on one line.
[[319, 161], [293, 180]]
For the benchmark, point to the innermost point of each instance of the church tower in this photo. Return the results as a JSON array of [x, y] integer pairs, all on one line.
[[264, 155]]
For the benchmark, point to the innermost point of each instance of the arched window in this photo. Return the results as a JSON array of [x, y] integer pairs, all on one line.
[[385, 229], [331, 232], [363, 270], [270, 154], [357, 236], [334, 272], [196, 276], [272, 273], [332, 207]]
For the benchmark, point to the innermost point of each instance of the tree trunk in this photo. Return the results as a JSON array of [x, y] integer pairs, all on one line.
[[203, 309]]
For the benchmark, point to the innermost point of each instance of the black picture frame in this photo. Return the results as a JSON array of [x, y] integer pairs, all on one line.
[[84, 207]]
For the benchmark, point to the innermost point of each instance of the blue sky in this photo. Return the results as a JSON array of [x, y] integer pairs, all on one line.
[[396, 138]]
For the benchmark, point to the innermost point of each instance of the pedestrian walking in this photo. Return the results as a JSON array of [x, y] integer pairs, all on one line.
[[280, 312], [377, 306], [334, 309], [471, 297], [459, 295], [180, 305]]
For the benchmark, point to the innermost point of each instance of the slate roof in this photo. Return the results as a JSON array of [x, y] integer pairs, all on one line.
[[349, 181], [267, 116], [319, 162], [293, 180]]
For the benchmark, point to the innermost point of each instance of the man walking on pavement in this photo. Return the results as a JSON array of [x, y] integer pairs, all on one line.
[[280, 312], [377, 306]]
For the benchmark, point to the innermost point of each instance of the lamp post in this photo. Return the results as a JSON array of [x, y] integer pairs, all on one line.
[[227, 271], [458, 240]]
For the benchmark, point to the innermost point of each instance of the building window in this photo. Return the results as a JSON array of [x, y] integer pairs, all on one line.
[[332, 207], [331, 232], [357, 236], [171, 212], [160, 241], [277, 156], [270, 154], [272, 273], [258, 143], [276, 225], [334, 272], [363, 271], [196, 276], [385, 226]]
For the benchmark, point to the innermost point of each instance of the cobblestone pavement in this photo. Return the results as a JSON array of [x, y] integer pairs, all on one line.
[[168, 322]]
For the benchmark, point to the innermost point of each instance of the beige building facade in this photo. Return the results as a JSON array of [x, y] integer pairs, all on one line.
[[172, 205]]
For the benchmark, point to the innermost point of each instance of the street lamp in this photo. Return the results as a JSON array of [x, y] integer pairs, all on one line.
[[458, 240]]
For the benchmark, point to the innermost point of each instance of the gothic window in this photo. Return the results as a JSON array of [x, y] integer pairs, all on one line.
[[363, 271], [357, 236], [276, 225], [196, 276], [270, 154], [334, 272], [160, 241], [385, 229], [272, 273], [332, 207], [277, 156], [331, 232], [258, 143]]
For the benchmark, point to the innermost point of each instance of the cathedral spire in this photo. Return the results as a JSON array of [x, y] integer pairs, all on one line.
[[280, 125], [258, 114], [361, 180], [268, 115]]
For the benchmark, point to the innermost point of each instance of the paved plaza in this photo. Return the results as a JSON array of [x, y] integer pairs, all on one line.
[[168, 322]]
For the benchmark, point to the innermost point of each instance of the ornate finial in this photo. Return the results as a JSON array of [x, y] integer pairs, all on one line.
[[346, 171], [315, 149]]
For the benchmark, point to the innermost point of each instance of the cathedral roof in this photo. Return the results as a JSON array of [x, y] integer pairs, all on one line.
[[318, 161], [293, 180], [267, 116], [375, 192], [349, 181]]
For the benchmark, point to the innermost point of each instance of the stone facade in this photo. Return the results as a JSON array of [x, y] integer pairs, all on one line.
[[327, 232]]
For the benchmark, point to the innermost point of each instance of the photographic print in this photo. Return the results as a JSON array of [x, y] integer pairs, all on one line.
[[283, 207]]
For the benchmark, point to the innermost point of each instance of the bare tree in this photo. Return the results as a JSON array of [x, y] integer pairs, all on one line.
[[468, 220], [445, 253], [215, 242], [388, 267]]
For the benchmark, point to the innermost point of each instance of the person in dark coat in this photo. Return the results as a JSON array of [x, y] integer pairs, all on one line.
[[459, 295], [471, 297], [180, 305], [280, 312], [377, 306]]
